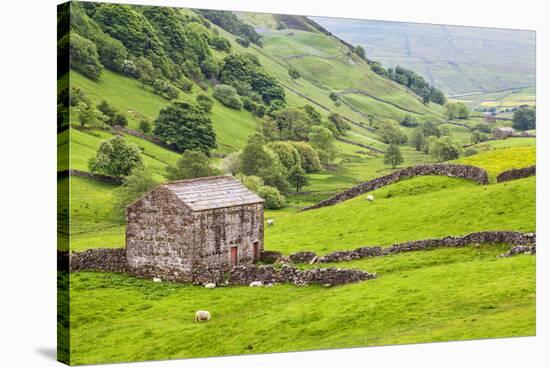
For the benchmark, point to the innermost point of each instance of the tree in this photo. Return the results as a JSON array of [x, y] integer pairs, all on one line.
[[525, 118], [256, 160], [231, 164], [308, 156], [187, 126], [86, 115], [418, 139], [293, 123], [339, 123], [145, 70], [192, 164], [205, 102], [269, 129], [253, 183], [107, 110], [457, 110], [478, 137], [228, 96], [297, 177], [323, 141], [294, 73], [360, 51], [390, 133], [116, 158], [393, 156], [287, 153], [444, 149], [430, 129], [84, 57], [333, 96], [134, 186]]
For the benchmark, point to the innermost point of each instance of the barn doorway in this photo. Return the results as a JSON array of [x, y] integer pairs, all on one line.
[[255, 251], [234, 256]]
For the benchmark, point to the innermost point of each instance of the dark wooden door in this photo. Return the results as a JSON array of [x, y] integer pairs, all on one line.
[[234, 256], [256, 254]]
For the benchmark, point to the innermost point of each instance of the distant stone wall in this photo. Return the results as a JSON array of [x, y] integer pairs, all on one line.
[[512, 238], [476, 174], [101, 259], [517, 173], [521, 249], [93, 176], [267, 274]]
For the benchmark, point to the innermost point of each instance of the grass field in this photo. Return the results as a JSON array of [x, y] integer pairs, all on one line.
[[497, 161], [439, 295], [418, 208]]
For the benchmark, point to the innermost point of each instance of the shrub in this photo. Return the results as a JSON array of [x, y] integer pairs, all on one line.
[[294, 73], [231, 164], [220, 43], [253, 183], [209, 68], [273, 199], [116, 158], [408, 121], [119, 120], [390, 133], [144, 126], [243, 42], [165, 89], [227, 95], [445, 149], [205, 102], [470, 152]]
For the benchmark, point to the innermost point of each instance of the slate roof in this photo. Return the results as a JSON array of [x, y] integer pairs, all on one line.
[[212, 192]]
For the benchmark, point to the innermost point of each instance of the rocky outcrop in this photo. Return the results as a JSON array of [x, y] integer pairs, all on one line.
[[510, 237], [267, 274], [517, 173], [476, 174]]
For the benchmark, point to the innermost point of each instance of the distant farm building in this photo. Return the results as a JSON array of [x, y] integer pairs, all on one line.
[[189, 227], [490, 118], [503, 132]]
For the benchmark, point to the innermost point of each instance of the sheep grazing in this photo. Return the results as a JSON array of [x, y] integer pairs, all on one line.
[[202, 316], [270, 222], [257, 284], [370, 198], [157, 280], [210, 285]]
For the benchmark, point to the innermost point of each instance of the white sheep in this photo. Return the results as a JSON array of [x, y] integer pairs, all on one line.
[[370, 198], [157, 280], [256, 283], [270, 222], [202, 316], [210, 285]]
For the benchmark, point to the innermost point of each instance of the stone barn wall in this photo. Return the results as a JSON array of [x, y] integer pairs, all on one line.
[[159, 218], [476, 174]]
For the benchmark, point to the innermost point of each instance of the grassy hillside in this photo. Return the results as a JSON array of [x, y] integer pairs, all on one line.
[[497, 161], [466, 59], [418, 208], [439, 295]]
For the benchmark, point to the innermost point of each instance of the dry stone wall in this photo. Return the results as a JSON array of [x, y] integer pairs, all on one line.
[[267, 274], [476, 174], [510, 237], [93, 176], [517, 173], [102, 259]]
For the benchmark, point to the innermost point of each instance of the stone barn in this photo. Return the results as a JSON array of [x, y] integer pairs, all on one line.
[[503, 132], [194, 230]]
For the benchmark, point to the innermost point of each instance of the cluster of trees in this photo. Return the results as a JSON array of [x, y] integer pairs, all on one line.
[[429, 138], [480, 133], [415, 82], [389, 132], [162, 46], [457, 110], [525, 118]]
